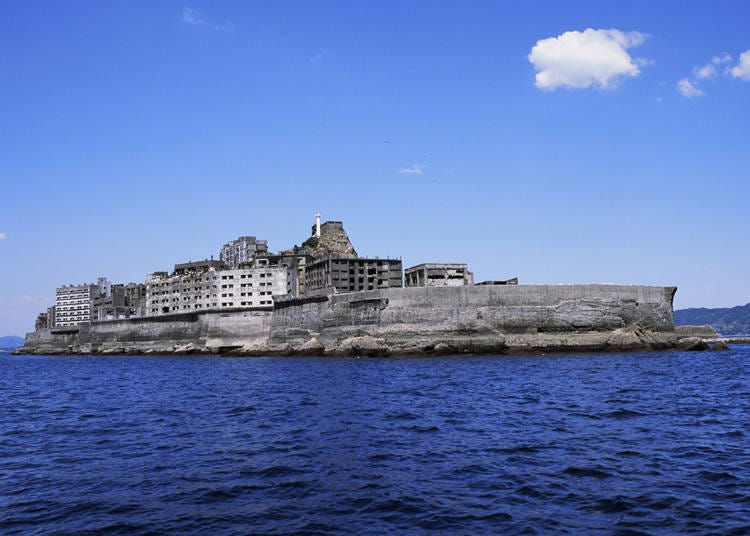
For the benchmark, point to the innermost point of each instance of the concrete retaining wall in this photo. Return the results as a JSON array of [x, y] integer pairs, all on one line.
[[402, 321]]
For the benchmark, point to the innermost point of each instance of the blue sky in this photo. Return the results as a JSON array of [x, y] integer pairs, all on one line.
[[557, 142]]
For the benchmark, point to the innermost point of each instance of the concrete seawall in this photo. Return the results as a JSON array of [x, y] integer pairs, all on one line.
[[400, 321]]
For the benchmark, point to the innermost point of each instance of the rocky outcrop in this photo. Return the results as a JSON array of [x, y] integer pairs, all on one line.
[[332, 242], [699, 338], [399, 322]]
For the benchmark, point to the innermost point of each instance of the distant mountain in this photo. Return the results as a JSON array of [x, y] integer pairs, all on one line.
[[8, 343], [726, 321]]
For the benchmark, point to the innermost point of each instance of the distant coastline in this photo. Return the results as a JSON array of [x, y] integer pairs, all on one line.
[[727, 321]]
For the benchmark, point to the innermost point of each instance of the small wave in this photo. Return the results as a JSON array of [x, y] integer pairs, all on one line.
[[215, 495], [657, 503], [424, 429], [238, 410], [629, 532], [471, 469], [716, 476], [405, 416], [586, 415], [613, 505], [380, 457], [400, 505], [530, 491], [279, 471], [586, 472], [624, 414]]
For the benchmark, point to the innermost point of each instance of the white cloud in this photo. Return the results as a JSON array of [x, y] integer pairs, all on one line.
[[416, 169], [742, 69], [709, 70], [192, 16], [597, 58], [724, 58], [195, 17], [687, 89], [3, 236]]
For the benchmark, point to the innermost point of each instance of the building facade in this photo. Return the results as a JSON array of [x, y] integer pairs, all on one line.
[[241, 251], [210, 285], [438, 275], [352, 274], [76, 304], [122, 301], [73, 304]]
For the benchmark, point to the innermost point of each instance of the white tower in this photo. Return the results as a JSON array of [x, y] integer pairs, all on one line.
[[317, 224]]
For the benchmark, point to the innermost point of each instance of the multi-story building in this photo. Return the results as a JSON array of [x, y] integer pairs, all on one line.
[[352, 274], [211, 285], [123, 301], [295, 266], [242, 250], [438, 275], [73, 303]]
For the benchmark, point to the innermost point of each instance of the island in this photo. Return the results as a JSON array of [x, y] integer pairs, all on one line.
[[321, 298]]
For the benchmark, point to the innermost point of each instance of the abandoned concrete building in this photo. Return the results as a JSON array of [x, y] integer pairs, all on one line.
[[122, 301], [353, 274], [78, 304], [247, 275], [242, 250], [212, 285], [438, 275], [73, 303]]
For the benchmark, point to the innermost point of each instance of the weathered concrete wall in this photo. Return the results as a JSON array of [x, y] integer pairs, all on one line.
[[703, 332], [43, 341], [233, 330], [480, 319], [212, 332], [404, 321]]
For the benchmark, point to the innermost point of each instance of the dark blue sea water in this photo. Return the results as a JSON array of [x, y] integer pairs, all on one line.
[[655, 443]]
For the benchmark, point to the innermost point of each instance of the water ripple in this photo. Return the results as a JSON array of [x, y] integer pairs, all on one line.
[[605, 444]]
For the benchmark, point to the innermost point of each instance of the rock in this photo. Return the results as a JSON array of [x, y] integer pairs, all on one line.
[[691, 344], [184, 349], [718, 345], [443, 349], [364, 346], [624, 340], [311, 347]]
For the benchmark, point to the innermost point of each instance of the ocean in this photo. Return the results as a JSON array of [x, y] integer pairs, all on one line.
[[642, 443]]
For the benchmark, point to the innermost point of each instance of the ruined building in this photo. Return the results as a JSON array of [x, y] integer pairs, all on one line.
[[438, 275]]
